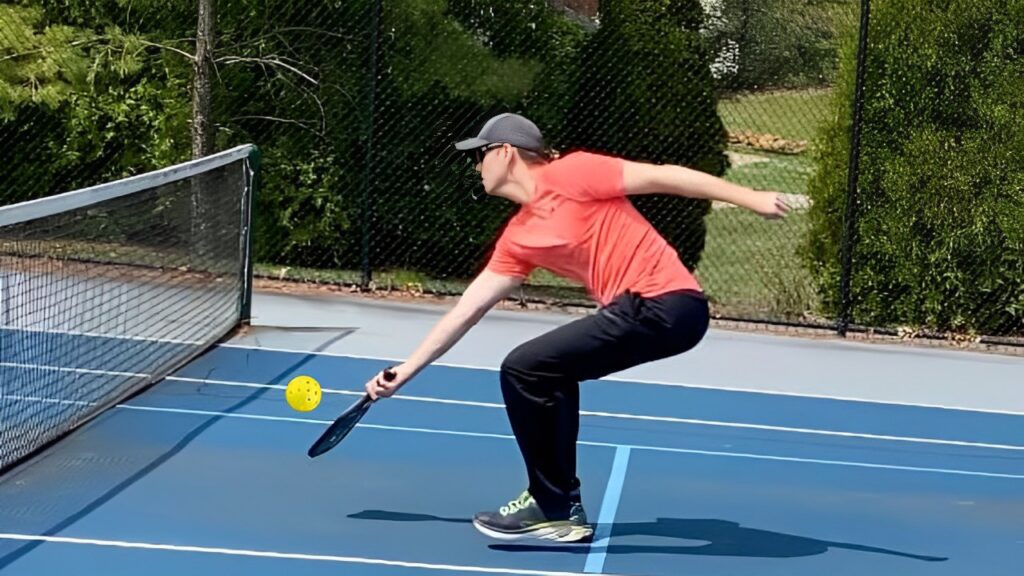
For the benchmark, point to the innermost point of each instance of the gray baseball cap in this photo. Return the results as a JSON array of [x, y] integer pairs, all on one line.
[[506, 128]]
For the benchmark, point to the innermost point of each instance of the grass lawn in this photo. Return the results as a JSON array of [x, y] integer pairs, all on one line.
[[793, 114], [750, 265], [766, 171]]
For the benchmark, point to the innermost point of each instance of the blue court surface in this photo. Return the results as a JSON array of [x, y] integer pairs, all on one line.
[[206, 473]]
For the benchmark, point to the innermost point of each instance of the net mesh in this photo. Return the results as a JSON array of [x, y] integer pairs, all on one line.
[[101, 299]]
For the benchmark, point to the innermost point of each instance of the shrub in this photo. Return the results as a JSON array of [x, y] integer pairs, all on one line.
[[940, 234]]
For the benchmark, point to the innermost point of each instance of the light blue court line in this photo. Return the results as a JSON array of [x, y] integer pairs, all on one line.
[[581, 442], [599, 548]]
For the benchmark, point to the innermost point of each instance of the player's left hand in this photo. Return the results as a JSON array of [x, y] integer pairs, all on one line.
[[771, 205]]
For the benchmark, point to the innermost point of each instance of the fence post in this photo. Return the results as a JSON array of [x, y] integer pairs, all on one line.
[[850, 214], [368, 197]]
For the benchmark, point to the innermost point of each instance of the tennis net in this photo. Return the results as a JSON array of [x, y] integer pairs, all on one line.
[[108, 289]]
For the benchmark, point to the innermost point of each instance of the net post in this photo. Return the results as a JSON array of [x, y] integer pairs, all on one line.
[[253, 169]]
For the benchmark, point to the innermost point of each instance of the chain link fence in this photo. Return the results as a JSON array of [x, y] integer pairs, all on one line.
[[895, 127]]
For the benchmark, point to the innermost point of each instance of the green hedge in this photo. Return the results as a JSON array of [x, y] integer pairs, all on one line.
[[940, 237], [638, 86]]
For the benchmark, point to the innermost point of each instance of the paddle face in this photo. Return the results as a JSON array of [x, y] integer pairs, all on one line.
[[344, 423], [341, 426]]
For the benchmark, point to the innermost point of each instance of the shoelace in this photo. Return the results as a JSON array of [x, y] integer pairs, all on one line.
[[516, 505]]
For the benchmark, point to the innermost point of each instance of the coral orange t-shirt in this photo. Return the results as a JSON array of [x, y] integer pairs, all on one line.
[[580, 225]]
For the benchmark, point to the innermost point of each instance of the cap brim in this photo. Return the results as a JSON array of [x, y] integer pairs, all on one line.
[[471, 144]]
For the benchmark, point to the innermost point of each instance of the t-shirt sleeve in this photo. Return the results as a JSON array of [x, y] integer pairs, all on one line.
[[586, 176], [504, 261]]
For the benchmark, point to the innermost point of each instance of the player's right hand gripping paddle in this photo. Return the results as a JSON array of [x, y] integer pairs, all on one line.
[[344, 424]]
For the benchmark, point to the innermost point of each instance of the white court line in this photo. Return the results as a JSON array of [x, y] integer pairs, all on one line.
[[45, 400], [279, 555], [77, 370], [622, 416], [583, 442], [332, 391], [650, 382], [585, 413], [101, 335]]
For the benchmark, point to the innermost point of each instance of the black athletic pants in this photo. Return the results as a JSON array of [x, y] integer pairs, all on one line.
[[540, 379]]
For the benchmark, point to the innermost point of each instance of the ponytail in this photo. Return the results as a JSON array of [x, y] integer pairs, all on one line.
[[531, 157]]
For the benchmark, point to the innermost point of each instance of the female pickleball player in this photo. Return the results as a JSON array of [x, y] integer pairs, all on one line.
[[574, 219]]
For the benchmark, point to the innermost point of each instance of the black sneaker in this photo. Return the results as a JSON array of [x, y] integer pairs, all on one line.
[[522, 518]]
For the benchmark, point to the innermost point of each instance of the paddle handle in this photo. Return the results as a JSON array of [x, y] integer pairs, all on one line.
[[389, 375]]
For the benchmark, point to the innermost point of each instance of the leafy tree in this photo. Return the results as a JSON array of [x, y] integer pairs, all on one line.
[[79, 105]]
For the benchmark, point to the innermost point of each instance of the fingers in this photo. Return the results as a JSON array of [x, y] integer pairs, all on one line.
[[371, 390], [376, 388], [779, 207], [383, 385], [782, 204]]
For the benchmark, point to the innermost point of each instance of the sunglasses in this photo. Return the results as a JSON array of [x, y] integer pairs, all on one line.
[[479, 153]]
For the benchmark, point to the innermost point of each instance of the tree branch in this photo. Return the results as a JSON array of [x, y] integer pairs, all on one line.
[[298, 123], [190, 57], [278, 32], [314, 97], [275, 62], [97, 40], [305, 29], [47, 48]]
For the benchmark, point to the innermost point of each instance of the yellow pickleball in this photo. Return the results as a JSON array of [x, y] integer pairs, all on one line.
[[303, 393]]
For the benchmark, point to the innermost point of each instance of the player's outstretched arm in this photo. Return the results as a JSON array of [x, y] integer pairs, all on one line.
[[643, 178], [480, 296]]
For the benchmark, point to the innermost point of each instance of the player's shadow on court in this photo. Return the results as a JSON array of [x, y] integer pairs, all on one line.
[[706, 537]]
